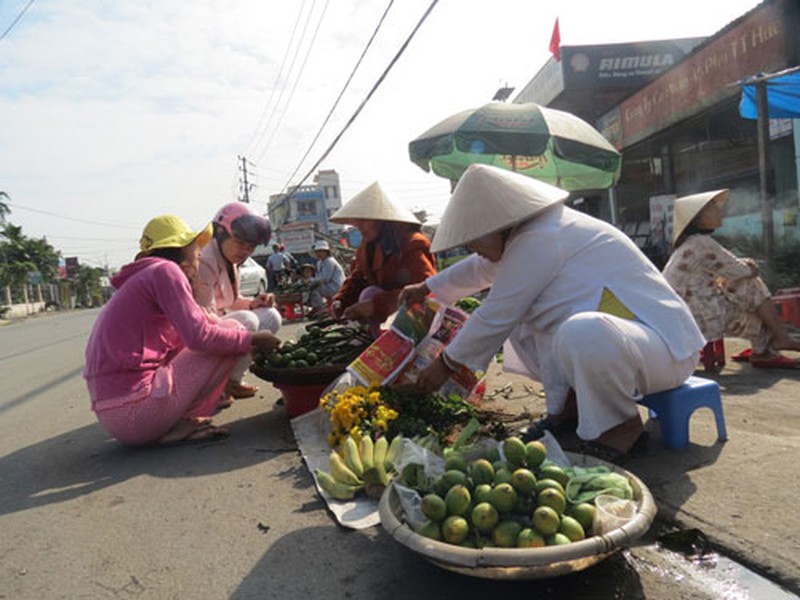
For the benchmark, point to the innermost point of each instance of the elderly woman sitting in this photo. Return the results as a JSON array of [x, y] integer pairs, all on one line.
[[725, 293]]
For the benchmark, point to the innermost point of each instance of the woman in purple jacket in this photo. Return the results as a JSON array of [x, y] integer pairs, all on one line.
[[156, 362]]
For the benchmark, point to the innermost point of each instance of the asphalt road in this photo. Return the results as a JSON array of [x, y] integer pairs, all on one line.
[[83, 517]]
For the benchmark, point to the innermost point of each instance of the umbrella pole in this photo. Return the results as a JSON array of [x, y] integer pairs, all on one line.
[[764, 180]]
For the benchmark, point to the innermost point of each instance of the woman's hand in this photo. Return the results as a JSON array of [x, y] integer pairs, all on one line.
[[336, 309], [414, 293], [267, 300], [754, 270], [432, 377], [265, 341], [360, 311]]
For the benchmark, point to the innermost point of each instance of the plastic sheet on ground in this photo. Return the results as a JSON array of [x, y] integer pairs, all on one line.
[[311, 431]]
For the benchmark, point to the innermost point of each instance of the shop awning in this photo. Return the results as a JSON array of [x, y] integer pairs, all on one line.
[[783, 95]]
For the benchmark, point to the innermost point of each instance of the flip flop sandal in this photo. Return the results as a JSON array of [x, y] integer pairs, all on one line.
[[743, 356], [778, 362], [202, 435], [612, 455], [241, 390], [536, 429], [224, 402]]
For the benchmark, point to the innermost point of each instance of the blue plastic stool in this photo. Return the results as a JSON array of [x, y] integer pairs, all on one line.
[[673, 408]]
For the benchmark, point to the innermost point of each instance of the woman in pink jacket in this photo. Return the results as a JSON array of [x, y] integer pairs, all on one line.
[[237, 233], [156, 363]]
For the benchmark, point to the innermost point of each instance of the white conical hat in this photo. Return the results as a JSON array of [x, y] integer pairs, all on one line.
[[373, 203], [688, 207], [489, 199]]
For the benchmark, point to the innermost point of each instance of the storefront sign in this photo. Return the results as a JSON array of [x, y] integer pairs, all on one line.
[[755, 45], [297, 239], [629, 65]]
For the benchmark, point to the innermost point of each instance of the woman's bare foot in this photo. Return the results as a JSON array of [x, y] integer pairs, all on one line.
[[192, 430], [238, 390], [623, 436], [785, 342]]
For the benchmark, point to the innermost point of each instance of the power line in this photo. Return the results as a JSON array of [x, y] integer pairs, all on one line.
[[81, 238], [51, 214], [341, 93], [15, 21], [277, 80], [367, 98], [296, 81], [283, 88]]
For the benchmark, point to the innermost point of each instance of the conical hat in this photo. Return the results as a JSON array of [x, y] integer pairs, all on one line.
[[373, 203], [489, 199], [688, 207]]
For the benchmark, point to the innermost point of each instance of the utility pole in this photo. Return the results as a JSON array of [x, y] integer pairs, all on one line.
[[245, 186]]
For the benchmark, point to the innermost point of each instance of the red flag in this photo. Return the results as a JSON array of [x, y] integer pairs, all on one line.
[[555, 42]]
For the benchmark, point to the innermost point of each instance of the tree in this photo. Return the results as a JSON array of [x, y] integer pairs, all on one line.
[[19, 255], [4, 210], [87, 285]]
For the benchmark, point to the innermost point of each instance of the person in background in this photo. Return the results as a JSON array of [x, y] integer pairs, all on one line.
[[311, 296], [156, 362], [725, 293], [291, 261], [277, 267], [237, 232], [393, 253], [328, 279], [575, 304]]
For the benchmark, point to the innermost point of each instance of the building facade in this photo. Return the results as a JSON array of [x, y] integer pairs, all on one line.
[[672, 109], [298, 216]]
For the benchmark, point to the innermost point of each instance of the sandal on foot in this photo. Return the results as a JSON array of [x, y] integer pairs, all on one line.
[[224, 402], [611, 454], [203, 434], [241, 390], [775, 362], [743, 356], [536, 429]]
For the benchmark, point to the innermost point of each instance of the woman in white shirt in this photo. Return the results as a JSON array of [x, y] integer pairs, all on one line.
[[574, 302]]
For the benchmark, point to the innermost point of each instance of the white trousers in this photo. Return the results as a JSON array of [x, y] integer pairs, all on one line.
[[611, 363], [258, 319]]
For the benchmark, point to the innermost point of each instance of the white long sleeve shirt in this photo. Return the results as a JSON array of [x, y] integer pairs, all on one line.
[[554, 266]]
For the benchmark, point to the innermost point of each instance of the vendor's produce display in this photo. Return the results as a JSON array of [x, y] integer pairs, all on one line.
[[511, 513], [517, 500], [292, 287], [325, 348], [360, 465], [404, 410], [468, 304]]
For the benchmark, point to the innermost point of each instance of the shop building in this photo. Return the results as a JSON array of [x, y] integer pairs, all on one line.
[[308, 205], [672, 109]]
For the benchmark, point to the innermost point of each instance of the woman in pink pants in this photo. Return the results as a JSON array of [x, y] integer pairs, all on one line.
[[156, 363]]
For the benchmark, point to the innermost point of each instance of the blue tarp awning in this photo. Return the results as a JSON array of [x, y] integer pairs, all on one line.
[[783, 97]]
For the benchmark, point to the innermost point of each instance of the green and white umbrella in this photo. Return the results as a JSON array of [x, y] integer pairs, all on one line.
[[543, 143]]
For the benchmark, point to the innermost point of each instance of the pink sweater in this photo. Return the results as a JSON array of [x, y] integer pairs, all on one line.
[[149, 319]]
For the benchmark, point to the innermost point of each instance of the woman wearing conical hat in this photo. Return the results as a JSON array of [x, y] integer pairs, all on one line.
[[574, 302], [725, 293], [393, 253]]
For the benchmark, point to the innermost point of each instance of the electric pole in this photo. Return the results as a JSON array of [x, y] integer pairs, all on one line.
[[245, 186]]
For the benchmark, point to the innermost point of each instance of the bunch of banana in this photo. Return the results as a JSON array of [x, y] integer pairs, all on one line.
[[366, 465]]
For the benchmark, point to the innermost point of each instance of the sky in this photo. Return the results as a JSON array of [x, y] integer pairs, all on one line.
[[114, 112]]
